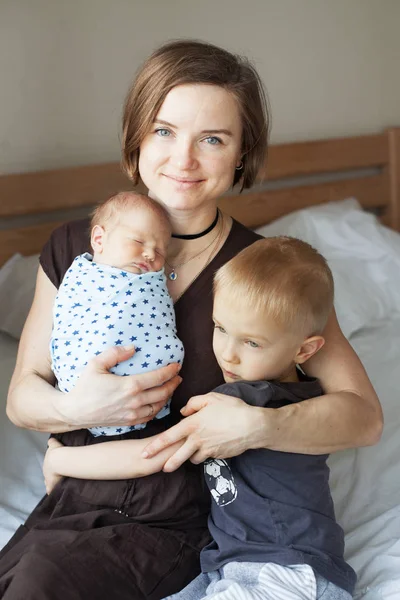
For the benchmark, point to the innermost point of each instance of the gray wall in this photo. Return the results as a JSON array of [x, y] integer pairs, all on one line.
[[330, 67]]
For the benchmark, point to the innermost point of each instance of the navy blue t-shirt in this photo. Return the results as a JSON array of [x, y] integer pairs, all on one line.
[[271, 506]]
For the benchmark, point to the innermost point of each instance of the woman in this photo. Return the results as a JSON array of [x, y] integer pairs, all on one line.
[[194, 124]]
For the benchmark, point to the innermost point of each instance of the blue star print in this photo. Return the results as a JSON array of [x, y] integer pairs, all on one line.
[[103, 304]]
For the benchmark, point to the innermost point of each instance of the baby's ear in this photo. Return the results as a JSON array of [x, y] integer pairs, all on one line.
[[308, 348], [96, 239]]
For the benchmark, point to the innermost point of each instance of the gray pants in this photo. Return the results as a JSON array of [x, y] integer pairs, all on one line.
[[257, 581]]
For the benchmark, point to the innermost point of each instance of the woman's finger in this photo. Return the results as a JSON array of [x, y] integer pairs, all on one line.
[[53, 443], [167, 438], [112, 356], [150, 403], [195, 404], [158, 395], [147, 412], [198, 457], [153, 379], [155, 398], [183, 454]]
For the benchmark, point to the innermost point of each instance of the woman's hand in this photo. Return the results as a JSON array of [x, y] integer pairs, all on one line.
[[102, 398], [51, 478], [216, 426]]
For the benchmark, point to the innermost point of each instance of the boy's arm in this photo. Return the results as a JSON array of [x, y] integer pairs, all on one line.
[[108, 460]]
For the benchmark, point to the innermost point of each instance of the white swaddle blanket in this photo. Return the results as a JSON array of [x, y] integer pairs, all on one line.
[[98, 306]]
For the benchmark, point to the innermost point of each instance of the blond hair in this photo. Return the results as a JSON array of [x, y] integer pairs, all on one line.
[[193, 62], [110, 211], [283, 278]]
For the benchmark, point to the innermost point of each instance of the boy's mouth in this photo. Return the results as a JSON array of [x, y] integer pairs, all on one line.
[[230, 374]]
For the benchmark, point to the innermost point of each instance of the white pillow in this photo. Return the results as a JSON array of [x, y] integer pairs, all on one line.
[[17, 287], [364, 257]]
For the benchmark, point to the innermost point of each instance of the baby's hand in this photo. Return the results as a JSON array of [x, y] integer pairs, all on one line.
[[51, 478]]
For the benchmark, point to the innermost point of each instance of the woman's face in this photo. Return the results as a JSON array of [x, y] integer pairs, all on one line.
[[188, 158]]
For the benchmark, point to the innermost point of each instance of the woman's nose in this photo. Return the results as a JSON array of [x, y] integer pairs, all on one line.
[[184, 156]]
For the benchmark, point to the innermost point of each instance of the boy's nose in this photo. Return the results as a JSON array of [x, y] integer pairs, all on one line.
[[229, 355]]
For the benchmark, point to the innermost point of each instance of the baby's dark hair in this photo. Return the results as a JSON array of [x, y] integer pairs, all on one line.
[[110, 211]]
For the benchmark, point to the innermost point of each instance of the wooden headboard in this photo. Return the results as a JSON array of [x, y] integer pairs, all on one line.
[[296, 175]]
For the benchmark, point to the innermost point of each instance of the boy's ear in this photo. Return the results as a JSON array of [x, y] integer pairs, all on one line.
[[96, 239], [308, 348]]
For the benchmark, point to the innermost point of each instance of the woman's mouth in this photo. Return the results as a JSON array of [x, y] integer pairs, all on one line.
[[184, 182]]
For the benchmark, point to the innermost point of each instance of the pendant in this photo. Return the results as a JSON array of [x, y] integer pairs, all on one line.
[[172, 276]]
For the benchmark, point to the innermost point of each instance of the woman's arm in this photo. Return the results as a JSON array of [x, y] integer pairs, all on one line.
[[99, 398], [349, 415], [106, 461]]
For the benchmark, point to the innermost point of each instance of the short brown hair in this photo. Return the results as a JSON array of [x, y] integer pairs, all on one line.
[[284, 278], [112, 208], [194, 62]]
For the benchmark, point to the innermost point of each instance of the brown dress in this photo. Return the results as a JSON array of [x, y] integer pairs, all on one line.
[[134, 539]]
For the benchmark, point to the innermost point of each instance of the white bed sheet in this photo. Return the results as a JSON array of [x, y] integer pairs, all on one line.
[[21, 456], [365, 482]]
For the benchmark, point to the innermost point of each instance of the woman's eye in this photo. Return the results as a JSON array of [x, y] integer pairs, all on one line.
[[213, 141], [252, 344], [219, 328], [163, 132]]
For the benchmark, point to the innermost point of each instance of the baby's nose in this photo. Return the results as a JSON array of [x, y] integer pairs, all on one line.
[[149, 254]]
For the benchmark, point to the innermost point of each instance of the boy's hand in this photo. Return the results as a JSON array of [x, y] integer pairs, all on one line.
[[51, 478]]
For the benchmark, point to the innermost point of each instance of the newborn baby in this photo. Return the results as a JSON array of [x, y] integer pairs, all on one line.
[[118, 296]]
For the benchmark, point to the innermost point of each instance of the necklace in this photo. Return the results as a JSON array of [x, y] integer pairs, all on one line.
[[173, 276], [194, 236], [213, 253]]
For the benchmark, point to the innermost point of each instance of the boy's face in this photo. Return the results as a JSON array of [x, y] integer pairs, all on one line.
[[137, 242], [249, 346]]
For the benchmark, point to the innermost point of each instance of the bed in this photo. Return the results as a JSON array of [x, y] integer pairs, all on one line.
[[342, 196]]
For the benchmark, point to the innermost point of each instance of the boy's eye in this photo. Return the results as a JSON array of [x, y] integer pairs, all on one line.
[[213, 141], [252, 344], [219, 328], [163, 132]]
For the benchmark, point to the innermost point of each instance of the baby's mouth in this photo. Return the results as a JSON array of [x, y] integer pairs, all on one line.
[[143, 267]]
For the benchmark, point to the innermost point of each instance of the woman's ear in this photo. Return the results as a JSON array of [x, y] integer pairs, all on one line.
[[308, 348], [96, 239], [239, 163]]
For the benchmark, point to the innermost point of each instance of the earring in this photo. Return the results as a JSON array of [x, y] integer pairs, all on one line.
[[240, 167]]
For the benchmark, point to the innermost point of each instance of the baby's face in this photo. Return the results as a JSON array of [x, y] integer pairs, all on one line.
[[137, 242], [249, 346]]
